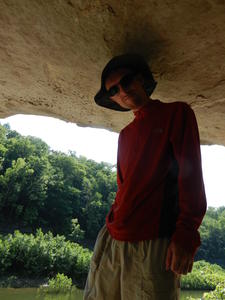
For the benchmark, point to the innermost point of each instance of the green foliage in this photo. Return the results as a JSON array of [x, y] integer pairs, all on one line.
[[59, 284], [42, 255], [48, 189], [217, 294], [23, 189], [213, 237], [204, 276], [76, 235]]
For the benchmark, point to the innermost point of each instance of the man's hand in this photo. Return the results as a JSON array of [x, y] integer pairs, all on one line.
[[178, 259]]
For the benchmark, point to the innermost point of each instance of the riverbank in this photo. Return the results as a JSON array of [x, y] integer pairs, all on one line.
[[28, 289], [32, 293], [204, 276], [13, 281]]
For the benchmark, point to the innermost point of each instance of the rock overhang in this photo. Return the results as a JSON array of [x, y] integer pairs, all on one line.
[[52, 54]]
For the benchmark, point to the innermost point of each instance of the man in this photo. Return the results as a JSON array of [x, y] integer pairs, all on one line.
[[151, 233]]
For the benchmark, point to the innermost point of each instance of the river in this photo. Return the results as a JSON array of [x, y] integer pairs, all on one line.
[[31, 294]]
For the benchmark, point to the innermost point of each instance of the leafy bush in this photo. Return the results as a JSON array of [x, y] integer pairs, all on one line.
[[219, 293], [59, 284], [204, 276], [42, 255]]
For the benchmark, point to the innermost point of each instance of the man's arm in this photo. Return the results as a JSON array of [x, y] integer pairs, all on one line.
[[192, 201]]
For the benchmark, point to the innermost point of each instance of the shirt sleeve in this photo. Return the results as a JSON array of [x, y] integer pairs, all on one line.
[[192, 200]]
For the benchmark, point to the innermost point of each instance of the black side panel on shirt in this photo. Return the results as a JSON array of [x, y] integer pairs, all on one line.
[[170, 204]]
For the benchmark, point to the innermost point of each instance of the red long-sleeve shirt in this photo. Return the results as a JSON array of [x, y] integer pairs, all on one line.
[[159, 175]]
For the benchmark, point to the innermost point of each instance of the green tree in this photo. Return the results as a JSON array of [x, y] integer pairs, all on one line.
[[23, 190], [212, 235], [63, 196]]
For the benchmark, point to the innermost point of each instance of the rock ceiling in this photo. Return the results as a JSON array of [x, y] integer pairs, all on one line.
[[52, 53]]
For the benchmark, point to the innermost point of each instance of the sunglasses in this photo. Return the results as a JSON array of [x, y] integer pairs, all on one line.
[[125, 82]]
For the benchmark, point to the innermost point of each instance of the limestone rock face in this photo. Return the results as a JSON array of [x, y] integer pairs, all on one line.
[[52, 53]]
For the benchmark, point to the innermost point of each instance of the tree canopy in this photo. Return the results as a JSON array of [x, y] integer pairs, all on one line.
[[44, 188]]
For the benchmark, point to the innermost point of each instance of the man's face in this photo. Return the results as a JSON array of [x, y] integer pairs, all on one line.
[[131, 97]]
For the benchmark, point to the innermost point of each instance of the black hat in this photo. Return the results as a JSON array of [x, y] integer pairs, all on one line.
[[134, 62]]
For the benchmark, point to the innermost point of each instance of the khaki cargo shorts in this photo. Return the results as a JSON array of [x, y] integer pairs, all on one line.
[[130, 271]]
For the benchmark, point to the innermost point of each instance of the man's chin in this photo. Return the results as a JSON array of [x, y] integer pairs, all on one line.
[[128, 104]]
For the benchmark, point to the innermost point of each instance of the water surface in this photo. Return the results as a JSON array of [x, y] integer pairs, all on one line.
[[32, 294]]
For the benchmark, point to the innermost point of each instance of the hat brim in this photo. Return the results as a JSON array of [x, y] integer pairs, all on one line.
[[103, 100]]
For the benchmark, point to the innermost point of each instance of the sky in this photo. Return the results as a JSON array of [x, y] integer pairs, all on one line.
[[101, 145]]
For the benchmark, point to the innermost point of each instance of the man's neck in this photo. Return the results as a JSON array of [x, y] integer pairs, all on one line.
[[143, 105]]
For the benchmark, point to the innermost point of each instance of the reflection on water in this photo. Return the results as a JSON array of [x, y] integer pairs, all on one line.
[[194, 294], [32, 294]]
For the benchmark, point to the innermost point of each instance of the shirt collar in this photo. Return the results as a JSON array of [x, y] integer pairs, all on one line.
[[144, 110]]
